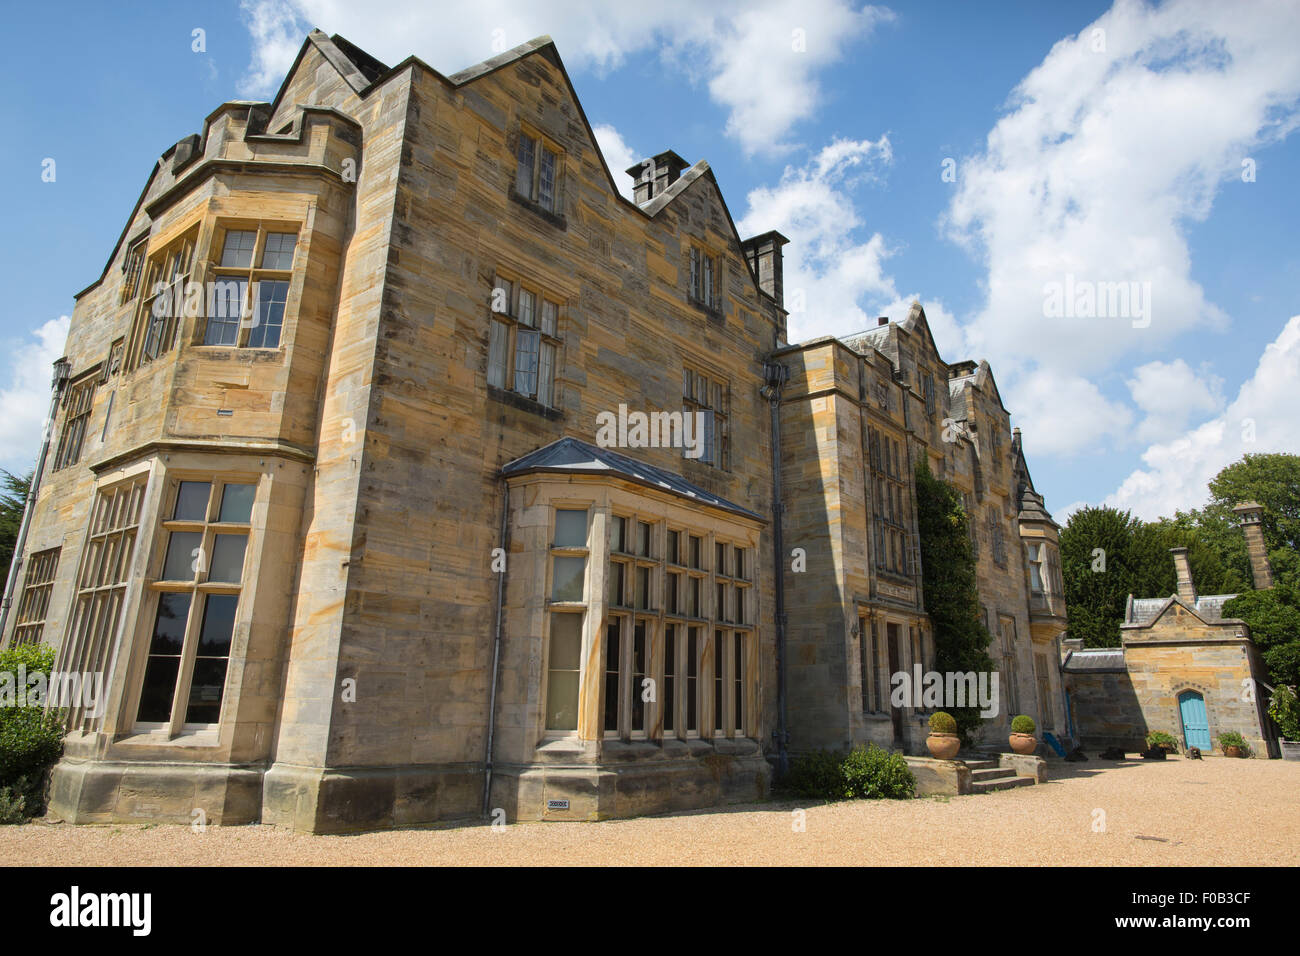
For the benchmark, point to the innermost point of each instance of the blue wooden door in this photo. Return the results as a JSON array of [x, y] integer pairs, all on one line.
[[1196, 725]]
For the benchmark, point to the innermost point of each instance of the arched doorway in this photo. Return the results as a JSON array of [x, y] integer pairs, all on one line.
[[1196, 723]]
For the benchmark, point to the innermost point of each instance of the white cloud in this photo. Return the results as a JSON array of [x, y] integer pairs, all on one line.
[[829, 267], [1096, 172], [619, 156], [26, 402], [1170, 394], [748, 55], [1066, 414], [1262, 418]]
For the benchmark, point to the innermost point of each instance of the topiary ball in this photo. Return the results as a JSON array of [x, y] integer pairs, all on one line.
[[1023, 724], [941, 723]]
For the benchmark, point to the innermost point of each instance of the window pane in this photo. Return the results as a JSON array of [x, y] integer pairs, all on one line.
[[568, 579], [668, 704], [546, 375], [192, 501], [268, 315], [218, 625], [503, 296], [617, 529], [182, 556], [616, 584], [549, 314], [278, 253], [169, 624], [563, 670], [227, 299], [237, 503], [497, 354], [158, 689], [718, 659], [238, 250], [638, 675], [570, 528], [527, 308], [524, 169], [692, 671], [526, 346], [207, 685], [546, 180], [674, 554], [612, 660], [228, 558], [643, 588]]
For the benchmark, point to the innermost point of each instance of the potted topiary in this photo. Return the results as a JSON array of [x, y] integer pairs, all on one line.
[[1284, 708], [1159, 740], [943, 741], [1233, 744], [1022, 738]]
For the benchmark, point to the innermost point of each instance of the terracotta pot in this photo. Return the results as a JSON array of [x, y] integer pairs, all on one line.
[[1232, 752], [1024, 743], [943, 746]]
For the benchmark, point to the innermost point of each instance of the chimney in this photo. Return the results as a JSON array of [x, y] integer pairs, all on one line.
[[652, 176], [765, 260], [883, 320], [1251, 512], [1186, 590]]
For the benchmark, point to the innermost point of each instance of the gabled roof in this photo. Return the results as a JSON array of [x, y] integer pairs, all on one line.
[[1208, 608], [1095, 660], [571, 456]]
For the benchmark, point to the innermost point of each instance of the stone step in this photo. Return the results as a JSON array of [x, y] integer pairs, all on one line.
[[1002, 783], [991, 773], [981, 764]]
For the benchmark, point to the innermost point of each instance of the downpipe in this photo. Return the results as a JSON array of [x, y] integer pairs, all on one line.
[[775, 376], [503, 537]]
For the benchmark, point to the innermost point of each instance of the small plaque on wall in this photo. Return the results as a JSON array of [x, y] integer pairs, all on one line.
[[557, 804]]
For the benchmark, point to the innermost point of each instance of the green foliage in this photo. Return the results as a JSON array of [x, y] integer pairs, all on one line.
[[1137, 561], [942, 723], [948, 577], [31, 738], [1284, 708], [1023, 724], [1274, 620], [13, 497], [874, 774], [863, 773], [1230, 738], [1158, 738]]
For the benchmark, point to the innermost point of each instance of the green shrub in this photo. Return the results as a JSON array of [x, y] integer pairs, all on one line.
[[876, 774], [1284, 708], [941, 723], [1023, 724], [863, 773], [1230, 738], [1158, 738], [814, 774], [31, 738]]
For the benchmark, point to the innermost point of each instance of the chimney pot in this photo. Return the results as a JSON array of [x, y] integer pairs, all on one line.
[[1261, 571], [763, 253], [654, 175], [1186, 589], [883, 320]]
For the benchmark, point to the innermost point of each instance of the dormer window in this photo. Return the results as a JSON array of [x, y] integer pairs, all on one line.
[[537, 172]]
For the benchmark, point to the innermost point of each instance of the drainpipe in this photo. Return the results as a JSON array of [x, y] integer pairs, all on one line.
[[496, 650], [775, 376], [61, 371]]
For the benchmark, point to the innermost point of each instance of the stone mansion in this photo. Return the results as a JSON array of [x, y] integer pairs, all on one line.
[[324, 502]]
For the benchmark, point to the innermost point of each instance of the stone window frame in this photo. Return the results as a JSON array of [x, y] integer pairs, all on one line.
[[529, 174], [256, 276], [708, 392], [78, 404], [1009, 665], [1036, 561], [200, 584], [891, 509], [705, 279], [34, 605], [579, 607], [101, 587], [133, 269], [515, 322], [168, 269]]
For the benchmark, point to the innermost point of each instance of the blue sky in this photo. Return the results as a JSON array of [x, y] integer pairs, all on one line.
[[1101, 142]]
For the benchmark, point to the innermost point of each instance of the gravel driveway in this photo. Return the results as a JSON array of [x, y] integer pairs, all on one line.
[[1215, 811]]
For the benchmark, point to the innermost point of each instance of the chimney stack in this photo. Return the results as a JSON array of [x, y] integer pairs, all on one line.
[[1186, 590], [1251, 513], [652, 176], [765, 259]]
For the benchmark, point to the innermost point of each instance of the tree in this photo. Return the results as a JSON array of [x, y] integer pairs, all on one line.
[[1100, 566], [13, 498], [951, 597], [1273, 617]]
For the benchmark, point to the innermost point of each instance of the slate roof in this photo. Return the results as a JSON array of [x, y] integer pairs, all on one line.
[[1209, 607], [569, 455], [1095, 660]]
